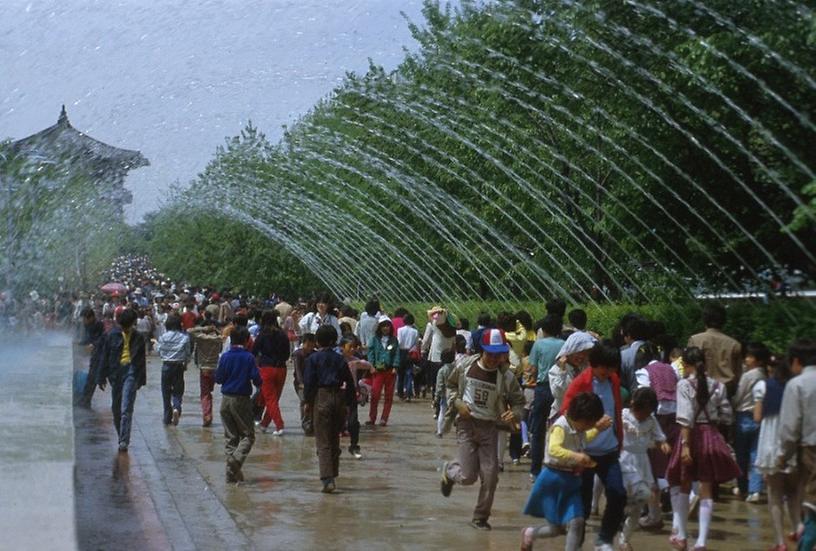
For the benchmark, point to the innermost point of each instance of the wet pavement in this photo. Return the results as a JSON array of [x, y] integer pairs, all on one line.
[[36, 454], [169, 491]]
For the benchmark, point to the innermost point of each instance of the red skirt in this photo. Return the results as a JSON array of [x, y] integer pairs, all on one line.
[[711, 459], [658, 459]]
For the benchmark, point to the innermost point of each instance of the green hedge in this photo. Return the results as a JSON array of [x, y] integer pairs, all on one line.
[[776, 323]]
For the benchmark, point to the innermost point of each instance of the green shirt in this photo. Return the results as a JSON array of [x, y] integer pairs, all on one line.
[[543, 355]]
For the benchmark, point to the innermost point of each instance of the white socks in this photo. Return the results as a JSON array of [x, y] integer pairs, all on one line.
[[680, 510], [706, 508]]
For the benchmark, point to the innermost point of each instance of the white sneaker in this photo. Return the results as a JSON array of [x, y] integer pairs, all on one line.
[[753, 498], [278, 433], [604, 547], [357, 455], [263, 429]]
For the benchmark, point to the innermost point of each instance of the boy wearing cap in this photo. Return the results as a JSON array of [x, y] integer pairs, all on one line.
[[480, 389]]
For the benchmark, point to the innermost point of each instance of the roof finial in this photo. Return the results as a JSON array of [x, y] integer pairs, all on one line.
[[63, 118]]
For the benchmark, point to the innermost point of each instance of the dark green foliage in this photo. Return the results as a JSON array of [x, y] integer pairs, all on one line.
[[600, 151]]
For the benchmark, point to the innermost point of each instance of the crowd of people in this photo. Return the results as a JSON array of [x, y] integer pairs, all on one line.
[[650, 424]]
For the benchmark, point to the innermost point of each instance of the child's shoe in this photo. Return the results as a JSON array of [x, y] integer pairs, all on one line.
[[527, 538], [446, 484], [677, 543]]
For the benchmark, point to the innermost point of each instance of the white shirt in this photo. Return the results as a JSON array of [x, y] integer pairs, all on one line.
[[468, 338], [434, 342], [664, 407], [407, 335]]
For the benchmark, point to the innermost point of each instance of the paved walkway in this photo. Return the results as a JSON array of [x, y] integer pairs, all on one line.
[[170, 490], [36, 454]]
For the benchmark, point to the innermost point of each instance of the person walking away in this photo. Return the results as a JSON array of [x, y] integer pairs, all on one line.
[[723, 355], [783, 481], [236, 373], [384, 357], [641, 431], [408, 338], [702, 456], [144, 326], [602, 379], [661, 377], [329, 390], [298, 363], [748, 397], [350, 347], [797, 430], [635, 333], [480, 389], [208, 345], [556, 494], [123, 363], [174, 350], [543, 356], [272, 352], [93, 334], [441, 389]]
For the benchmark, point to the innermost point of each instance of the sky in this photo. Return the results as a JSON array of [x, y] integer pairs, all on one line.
[[173, 79]]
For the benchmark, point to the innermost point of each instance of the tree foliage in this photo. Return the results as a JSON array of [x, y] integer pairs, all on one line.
[[598, 150]]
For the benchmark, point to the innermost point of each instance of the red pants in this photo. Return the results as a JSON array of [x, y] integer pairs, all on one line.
[[207, 382], [273, 379], [379, 380]]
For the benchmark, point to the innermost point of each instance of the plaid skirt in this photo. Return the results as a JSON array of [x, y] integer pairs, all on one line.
[[711, 459]]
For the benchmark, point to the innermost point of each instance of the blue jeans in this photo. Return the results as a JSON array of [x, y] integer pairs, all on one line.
[[123, 397], [172, 387], [537, 425], [408, 389], [609, 471], [746, 439], [809, 535]]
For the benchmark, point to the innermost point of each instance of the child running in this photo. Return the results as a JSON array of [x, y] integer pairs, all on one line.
[[556, 494], [702, 456], [329, 389], [641, 431]]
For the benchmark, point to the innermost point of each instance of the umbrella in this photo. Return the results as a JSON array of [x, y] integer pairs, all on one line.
[[114, 288]]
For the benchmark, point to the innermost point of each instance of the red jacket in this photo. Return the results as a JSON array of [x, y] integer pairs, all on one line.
[[583, 383]]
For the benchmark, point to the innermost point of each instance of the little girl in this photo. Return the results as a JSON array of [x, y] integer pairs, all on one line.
[[641, 431], [702, 456], [384, 356], [783, 483], [349, 347], [556, 494]]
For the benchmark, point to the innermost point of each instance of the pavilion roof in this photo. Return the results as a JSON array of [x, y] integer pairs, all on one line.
[[64, 141]]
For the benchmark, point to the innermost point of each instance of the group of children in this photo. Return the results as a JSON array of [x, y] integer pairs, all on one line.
[[677, 413]]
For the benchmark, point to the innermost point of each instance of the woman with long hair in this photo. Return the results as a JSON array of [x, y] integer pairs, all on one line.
[[271, 351]]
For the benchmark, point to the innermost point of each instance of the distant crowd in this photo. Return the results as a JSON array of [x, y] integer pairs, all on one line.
[[653, 425]]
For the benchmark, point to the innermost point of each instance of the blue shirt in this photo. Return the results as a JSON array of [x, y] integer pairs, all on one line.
[[543, 356], [606, 441], [326, 369], [237, 371]]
